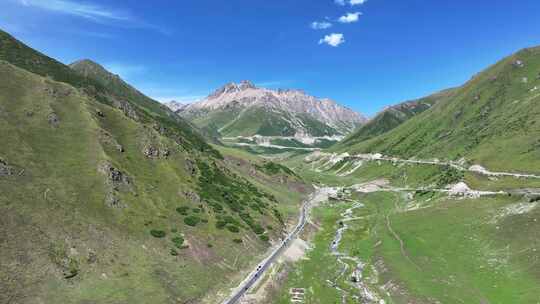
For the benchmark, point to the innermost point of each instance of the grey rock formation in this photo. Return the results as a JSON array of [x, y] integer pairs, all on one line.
[[53, 119], [5, 169]]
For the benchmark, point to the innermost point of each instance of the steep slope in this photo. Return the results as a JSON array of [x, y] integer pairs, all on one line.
[[243, 110], [492, 120], [394, 116], [115, 92], [100, 205]]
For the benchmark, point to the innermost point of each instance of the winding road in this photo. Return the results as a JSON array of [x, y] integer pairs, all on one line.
[[320, 194]]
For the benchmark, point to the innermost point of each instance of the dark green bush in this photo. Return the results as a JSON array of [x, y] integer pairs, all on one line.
[[264, 237], [238, 241], [450, 175], [178, 241], [192, 220], [233, 228], [220, 224], [258, 229], [158, 233], [183, 210]]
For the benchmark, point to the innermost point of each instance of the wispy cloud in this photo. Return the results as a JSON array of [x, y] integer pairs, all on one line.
[[316, 25], [350, 2], [350, 17], [92, 12], [334, 39], [357, 2], [85, 10]]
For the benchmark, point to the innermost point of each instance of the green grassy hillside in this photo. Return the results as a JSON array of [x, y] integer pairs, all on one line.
[[492, 119], [394, 116], [107, 198], [235, 121], [111, 92]]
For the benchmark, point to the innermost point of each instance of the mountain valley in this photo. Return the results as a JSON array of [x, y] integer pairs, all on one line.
[[254, 195]]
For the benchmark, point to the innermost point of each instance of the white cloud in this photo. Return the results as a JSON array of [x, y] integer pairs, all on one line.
[[85, 10], [351, 2], [357, 2], [350, 17], [334, 39], [320, 25]]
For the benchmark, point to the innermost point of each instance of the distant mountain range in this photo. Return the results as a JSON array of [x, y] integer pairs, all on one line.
[[243, 110], [175, 105]]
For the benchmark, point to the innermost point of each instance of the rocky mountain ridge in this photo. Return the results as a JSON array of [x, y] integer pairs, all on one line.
[[246, 94], [245, 110], [175, 105]]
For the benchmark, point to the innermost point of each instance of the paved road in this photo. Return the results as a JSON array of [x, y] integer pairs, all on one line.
[[255, 275]]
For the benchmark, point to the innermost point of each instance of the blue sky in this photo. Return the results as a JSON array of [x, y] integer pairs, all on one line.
[[364, 54]]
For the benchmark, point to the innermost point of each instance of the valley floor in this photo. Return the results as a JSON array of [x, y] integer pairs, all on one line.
[[388, 236]]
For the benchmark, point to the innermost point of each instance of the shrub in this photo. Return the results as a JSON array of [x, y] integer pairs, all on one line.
[[178, 241], [233, 228], [192, 220], [220, 224], [258, 229], [264, 237], [196, 210], [209, 245], [174, 230], [158, 233], [449, 176], [238, 241], [174, 252], [182, 210]]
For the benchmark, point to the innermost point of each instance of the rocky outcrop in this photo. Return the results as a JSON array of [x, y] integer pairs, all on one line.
[[190, 167], [53, 120], [108, 140], [127, 109], [116, 181], [5, 169], [192, 196], [154, 152]]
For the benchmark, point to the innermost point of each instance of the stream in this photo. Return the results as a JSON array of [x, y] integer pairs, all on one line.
[[365, 295]]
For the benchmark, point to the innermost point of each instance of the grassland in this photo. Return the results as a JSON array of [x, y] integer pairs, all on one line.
[[454, 251]]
